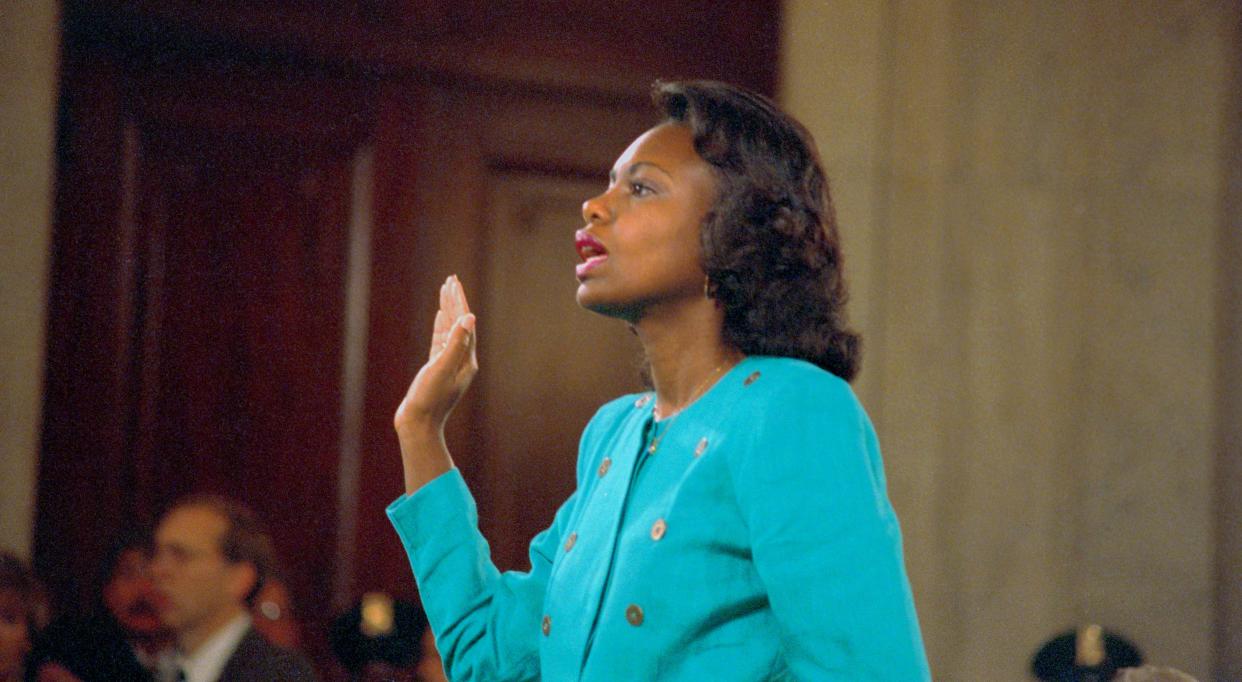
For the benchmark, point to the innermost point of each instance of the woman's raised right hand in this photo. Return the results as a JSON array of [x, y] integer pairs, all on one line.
[[452, 362]]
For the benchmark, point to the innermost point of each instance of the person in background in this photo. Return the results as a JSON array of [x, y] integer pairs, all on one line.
[[272, 615], [122, 639], [384, 639], [1087, 652], [23, 610], [212, 558]]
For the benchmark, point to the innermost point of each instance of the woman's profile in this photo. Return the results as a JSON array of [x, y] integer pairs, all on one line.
[[731, 523]]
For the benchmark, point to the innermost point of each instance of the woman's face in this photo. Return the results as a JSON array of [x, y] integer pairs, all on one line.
[[640, 247]]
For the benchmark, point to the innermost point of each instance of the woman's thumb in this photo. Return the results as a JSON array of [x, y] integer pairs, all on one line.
[[460, 338]]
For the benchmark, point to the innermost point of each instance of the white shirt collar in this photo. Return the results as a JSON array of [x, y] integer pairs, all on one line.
[[206, 664]]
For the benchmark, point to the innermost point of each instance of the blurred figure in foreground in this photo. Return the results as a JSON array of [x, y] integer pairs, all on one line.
[[382, 639], [22, 611], [122, 639], [212, 558]]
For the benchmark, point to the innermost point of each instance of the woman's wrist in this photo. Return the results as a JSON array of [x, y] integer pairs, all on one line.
[[424, 454], [418, 474], [417, 428]]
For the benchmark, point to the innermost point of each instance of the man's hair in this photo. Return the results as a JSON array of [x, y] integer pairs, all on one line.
[[245, 540]]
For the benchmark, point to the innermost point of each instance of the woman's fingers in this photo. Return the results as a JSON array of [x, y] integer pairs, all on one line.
[[463, 308], [453, 329], [472, 343], [454, 298], [446, 316], [458, 350], [439, 334], [462, 311]]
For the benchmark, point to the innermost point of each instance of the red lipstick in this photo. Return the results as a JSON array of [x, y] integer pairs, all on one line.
[[590, 250]]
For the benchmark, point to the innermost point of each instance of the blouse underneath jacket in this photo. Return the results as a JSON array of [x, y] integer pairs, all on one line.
[[749, 537]]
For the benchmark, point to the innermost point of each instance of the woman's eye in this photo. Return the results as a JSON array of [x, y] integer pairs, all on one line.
[[638, 189]]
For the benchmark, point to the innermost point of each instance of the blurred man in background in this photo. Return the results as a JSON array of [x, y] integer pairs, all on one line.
[[212, 558]]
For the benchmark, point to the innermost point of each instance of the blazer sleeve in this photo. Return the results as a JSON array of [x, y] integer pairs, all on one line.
[[825, 540], [486, 622]]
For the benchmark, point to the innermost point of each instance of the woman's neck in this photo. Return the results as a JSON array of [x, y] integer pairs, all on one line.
[[686, 352]]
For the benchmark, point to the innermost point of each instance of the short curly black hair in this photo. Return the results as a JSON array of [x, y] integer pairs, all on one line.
[[771, 249]]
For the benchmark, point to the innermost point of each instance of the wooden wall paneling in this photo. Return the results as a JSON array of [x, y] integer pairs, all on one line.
[[426, 216], [393, 350], [210, 214], [614, 47], [549, 364], [254, 247], [83, 440]]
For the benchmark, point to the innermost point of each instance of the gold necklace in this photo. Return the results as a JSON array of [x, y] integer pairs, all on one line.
[[697, 393]]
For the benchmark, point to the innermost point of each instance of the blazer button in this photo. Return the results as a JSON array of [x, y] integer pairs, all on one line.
[[634, 615], [751, 379], [604, 466], [546, 625], [569, 542], [700, 448], [657, 529]]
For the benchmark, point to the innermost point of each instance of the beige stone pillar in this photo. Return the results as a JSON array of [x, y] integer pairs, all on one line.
[[1030, 196], [28, 73]]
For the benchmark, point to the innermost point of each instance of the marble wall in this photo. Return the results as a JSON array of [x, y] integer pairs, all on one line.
[[28, 49], [1032, 203]]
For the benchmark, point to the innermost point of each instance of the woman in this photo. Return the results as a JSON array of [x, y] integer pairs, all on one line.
[[731, 524]]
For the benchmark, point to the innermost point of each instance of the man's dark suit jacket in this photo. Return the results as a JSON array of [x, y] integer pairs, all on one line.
[[257, 660], [93, 648]]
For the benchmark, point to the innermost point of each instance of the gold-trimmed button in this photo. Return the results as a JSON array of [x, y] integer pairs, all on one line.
[[751, 379], [700, 448], [570, 541], [604, 466], [652, 448], [642, 402], [546, 625], [657, 529], [634, 615]]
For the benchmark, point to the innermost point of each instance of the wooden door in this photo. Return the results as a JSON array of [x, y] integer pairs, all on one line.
[[198, 304]]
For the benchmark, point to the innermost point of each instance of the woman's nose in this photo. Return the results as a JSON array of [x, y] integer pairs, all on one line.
[[595, 210]]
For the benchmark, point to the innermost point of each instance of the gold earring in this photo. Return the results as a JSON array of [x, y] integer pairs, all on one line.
[[707, 286]]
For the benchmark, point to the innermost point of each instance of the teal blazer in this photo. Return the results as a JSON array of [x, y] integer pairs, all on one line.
[[747, 538]]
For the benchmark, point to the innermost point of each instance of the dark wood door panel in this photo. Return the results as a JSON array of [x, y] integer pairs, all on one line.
[[246, 319], [216, 252], [546, 364]]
